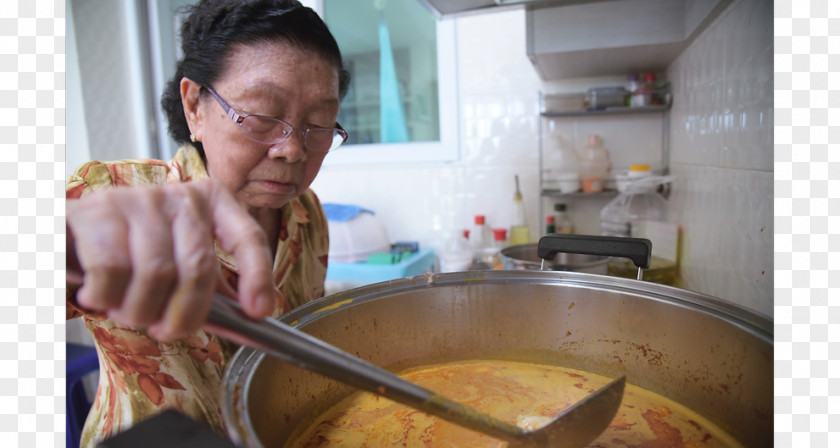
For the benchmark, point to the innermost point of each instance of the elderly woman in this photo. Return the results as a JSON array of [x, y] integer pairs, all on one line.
[[254, 103]]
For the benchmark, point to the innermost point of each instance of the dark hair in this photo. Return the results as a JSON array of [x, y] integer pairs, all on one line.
[[214, 27]]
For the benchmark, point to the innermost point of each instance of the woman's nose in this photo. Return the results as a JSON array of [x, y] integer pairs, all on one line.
[[292, 149]]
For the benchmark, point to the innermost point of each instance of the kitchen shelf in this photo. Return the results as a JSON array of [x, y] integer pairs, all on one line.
[[578, 194], [664, 110], [607, 111]]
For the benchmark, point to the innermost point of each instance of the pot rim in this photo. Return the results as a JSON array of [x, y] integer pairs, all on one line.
[[761, 325]]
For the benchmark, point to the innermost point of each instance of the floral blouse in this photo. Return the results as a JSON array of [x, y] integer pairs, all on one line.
[[140, 376]]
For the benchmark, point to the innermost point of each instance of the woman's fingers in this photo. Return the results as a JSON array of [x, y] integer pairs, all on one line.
[[101, 245], [154, 270], [197, 268], [241, 236]]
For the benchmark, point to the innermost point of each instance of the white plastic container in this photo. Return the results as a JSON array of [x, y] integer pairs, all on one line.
[[561, 166], [640, 211], [594, 165], [357, 238]]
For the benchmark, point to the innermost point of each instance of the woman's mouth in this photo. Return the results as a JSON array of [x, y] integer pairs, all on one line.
[[277, 187]]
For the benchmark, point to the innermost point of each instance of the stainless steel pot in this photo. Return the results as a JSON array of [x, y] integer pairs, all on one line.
[[524, 256], [707, 354]]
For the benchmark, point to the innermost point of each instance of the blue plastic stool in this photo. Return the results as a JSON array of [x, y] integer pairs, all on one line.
[[81, 361]]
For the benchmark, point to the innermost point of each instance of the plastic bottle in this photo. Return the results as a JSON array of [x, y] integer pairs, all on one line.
[[561, 166], [481, 240], [638, 200], [562, 223], [494, 258], [480, 235], [519, 231], [594, 165]]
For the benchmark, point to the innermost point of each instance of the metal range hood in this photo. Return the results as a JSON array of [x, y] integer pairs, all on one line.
[[583, 38], [452, 8]]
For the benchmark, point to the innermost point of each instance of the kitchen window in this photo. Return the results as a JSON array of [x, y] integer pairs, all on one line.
[[401, 106]]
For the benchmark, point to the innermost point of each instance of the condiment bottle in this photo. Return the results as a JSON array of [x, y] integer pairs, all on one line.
[[499, 243], [519, 231], [562, 223], [594, 165], [549, 225], [480, 235]]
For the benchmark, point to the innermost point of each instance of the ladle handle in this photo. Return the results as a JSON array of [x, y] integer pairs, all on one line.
[[636, 249], [227, 319]]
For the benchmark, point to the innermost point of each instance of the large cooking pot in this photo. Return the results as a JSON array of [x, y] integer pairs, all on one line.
[[705, 353]]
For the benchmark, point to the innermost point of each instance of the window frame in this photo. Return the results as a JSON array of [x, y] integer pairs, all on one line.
[[447, 149]]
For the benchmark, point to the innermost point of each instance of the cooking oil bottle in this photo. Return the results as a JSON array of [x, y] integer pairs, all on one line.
[[519, 231]]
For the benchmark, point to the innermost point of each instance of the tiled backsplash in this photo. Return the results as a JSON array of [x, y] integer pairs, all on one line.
[[720, 138], [722, 155]]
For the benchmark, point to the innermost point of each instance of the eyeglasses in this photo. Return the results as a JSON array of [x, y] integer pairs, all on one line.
[[271, 131]]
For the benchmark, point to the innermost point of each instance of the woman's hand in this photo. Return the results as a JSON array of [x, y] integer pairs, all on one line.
[[147, 255]]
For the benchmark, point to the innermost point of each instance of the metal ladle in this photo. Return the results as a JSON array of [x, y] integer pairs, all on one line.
[[573, 428]]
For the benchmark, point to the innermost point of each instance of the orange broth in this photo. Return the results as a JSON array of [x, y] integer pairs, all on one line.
[[519, 393]]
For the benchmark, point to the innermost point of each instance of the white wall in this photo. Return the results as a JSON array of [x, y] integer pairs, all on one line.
[[112, 81], [78, 148]]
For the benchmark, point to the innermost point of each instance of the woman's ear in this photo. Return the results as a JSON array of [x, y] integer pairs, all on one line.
[[189, 99]]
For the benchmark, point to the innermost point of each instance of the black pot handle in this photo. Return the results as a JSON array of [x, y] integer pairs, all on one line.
[[636, 249]]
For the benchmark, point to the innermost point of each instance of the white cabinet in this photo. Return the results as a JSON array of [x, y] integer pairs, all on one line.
[[613, 37]]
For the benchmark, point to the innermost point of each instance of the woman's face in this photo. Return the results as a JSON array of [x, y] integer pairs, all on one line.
[[275, 80]]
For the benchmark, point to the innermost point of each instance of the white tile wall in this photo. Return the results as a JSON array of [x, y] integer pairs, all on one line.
[[721, 139], [722, 155]]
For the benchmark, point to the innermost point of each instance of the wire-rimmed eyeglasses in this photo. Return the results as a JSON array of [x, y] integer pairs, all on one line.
[[271, 131]]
